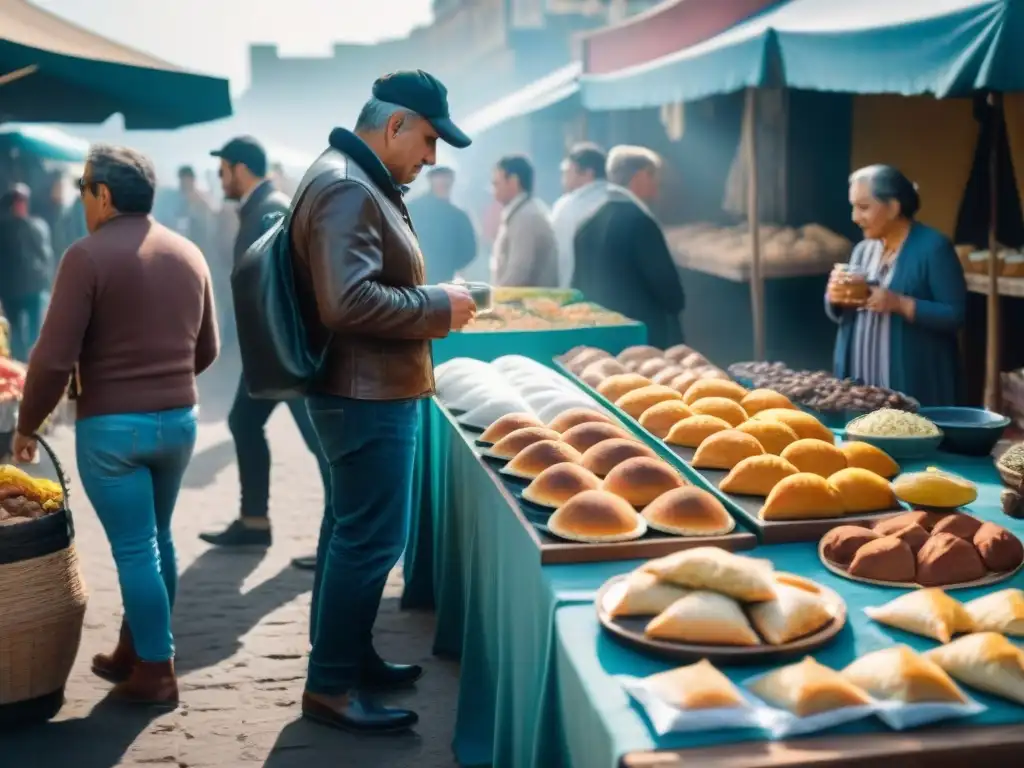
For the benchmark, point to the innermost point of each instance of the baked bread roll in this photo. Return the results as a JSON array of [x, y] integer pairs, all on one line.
[[808, 688], [758, 400], [1001, 611], [863, 491], [926, 520], [637, 354], [1000, 550], [614, 387], [659, 419], [948, 559], [694, 430], [643, 594], [815, 456], [871, 458], [678, 353], [756, 475], [666, 374], [926, 612], [986, 661], [608, 454], [508, 424], [840, 544], [584, 436], [726, 449], [773, 436], [596, 517], [694, 360], [566, 420], [722, 407], [641, 480], [803, 496], [514, 443], [557, 484], [653, 366], [792, 614], [805, 425], [961, 525], [601, 369], [688, 511], [899, 674], [885, 559], [697, 686], [703, 618], [684, 381], [637, 401], [533, 460], [730, 390], [743, 578], [584, 357]]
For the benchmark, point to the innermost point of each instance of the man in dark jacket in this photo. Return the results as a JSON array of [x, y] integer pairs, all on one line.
[[445, 232], [243, 176], [26, 269], [622, 259]]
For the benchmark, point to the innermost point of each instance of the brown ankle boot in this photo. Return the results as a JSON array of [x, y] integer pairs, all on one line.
[[151, 683], [117, 666]]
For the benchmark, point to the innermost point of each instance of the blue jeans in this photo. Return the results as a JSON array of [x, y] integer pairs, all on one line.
[[370, 446], [132, 465], [25, 314]]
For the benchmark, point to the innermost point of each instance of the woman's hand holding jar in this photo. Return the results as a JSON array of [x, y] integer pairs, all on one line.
[[847, 287]]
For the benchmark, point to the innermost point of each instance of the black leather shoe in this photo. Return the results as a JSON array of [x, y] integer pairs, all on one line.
[[238, 534], [307, 563], [380, 674], [359, 715]]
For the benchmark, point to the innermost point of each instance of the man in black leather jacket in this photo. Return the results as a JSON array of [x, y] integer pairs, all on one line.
[[359, 277]]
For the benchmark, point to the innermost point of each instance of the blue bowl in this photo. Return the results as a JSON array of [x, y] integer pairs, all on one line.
[[901, 448], [968, 431]]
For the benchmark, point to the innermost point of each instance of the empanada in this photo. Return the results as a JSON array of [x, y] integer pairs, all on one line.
[[697, 686], [805, 425], [773, 436], [643, 594], [516, 442], [758, 400], [757, 475], [869, 457], [741, 577], [1001, 611], [722, 407], [863, 491], [636, 401], [899, 674], [816, 456], [726, 449], [792, 614], [619, 384], [715, 388], [659, 419], [703, 618], [926, 612], [808, 688], [802, 496], [694, 430], [986, 661], [508, 424]]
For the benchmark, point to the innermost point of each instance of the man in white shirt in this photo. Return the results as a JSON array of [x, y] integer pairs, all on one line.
[[525, 251], [586, 188]]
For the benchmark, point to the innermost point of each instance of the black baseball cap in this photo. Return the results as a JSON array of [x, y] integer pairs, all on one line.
[[247, 151], [425, 95]]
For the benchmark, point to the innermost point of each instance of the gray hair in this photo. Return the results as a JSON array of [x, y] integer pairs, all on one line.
[[625, 162], [375, 114], [127, 173]]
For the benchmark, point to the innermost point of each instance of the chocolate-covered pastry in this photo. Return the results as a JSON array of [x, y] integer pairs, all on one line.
[[913, 535], [948, 559], [1000, 550], [926, 520], [884, 559], [841, 544], [963, 526]]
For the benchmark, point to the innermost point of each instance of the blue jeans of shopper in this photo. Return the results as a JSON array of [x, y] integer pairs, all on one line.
[[370, 446], [25, 314], [132, 465]]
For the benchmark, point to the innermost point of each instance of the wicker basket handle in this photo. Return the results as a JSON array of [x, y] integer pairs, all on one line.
[[62, 478]]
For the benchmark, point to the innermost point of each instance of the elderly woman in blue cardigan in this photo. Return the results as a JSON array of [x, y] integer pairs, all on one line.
[[904, 336]]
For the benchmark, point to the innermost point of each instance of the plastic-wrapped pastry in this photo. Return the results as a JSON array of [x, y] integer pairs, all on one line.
[[616, 386], [566, 420], [863, 491], [758, 400], [805, 425], [703, 618], [722, 407], [694, 430], [486, 413], [508, 424], [792, 614], [533, 460], [516, 442], [884, 559], [639, 400], [641, 480], [773, 436], [659, 419], [596, 517], [871, 458], [1001, 611], [608, 454], [744, 578], [715, 388], [557, 484], [726, 449], [802, 496], [986, 661], [1000, 550], [840, 544], [926, 612], [689, 511], [585, 436], [808, 688], [756, 475], [948, 559], [644, 594], [899, 674], [814, 455], [697, 686]]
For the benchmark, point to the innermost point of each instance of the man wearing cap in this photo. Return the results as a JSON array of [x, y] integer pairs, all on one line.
[[445, 231], [360, 285], [243, 177], [26, 268]]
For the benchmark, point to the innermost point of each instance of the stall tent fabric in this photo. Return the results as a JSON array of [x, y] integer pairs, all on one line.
[[76, 76], [44, 141], [549, 90], [939, 47]]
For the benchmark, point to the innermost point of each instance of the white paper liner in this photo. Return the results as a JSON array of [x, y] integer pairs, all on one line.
[[665, 718], [785, 724], [900, 716]]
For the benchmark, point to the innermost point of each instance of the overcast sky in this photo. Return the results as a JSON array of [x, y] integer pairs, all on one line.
[[213, 35]]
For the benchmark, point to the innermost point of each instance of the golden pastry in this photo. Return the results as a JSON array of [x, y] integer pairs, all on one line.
[[863, 491], [899, 674], [596, 517], [986, 661], [639, 400], [697, 686], [871, 458], [803, 496], [666, 374], [659, 419], [758, 400], [641, 480], [608, 454], [508, 424], [678, 352], [566, 420], [637, 354], [726, 449], [715, 388], [744, 578], [514, 443], [689, 511], [533, 460], [618, 385], [792, 580], [684, 381], [643, 594], [694, 430], [926, 612], [703, 618], [722, 407], [792, 614], [557, 484], [756, 475], [653, 366], [1001, 611], [814, 455], [808, 688], [585, 436], [934, 488], [805, 425], [773, 436]]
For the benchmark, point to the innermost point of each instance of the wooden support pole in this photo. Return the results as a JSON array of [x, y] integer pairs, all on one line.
[[17, 74], [754, 225], [993, 385]]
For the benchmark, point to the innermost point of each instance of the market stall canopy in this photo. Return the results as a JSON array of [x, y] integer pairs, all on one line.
[[909, 47], [44, 141], [549, 90], [79, 77]]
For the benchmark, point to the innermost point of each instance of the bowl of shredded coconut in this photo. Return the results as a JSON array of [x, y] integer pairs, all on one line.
[[901, 434]]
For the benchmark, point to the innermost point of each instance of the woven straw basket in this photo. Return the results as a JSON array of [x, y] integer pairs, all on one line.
[[42, 607]]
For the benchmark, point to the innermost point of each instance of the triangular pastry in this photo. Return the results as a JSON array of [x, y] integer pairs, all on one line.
[[712, 568], [793, 613], [986, 661], [703, 618], [697, 686], [643, 594], [899, 674], [808, 688], [1001, 611], [926, 612]]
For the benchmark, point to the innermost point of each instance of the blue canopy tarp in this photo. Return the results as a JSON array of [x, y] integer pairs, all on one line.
[[553, 88], [44, 141], [909, 47]]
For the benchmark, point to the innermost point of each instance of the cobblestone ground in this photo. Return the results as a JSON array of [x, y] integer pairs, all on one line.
[[241, 629]]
